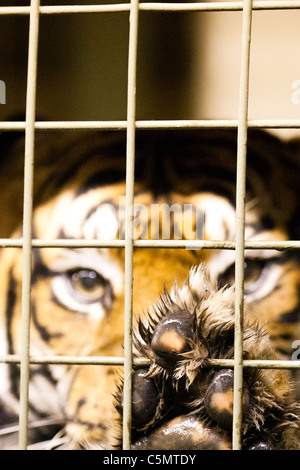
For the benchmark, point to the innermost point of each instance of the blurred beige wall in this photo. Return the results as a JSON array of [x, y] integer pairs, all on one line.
[[274, 66]]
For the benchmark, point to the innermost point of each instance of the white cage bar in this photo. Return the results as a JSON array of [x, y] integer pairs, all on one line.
[[157, 124], [129, 236], [240, 245], [150, 6], [240, 225], [27, 219]]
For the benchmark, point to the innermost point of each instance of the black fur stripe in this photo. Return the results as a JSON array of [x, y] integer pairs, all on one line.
[[10, 308], [44, 333], [101, 178], [293, 315], [14, 375], [7, 416]]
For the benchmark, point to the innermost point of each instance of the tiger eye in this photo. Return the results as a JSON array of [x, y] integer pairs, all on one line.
[[88, 284], [253, 269]]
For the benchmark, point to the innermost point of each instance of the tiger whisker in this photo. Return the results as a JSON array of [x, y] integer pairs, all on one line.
[[33, 424], [50, 445]]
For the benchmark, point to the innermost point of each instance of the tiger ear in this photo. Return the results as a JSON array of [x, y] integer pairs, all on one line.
[[12, 144], [293, 172], [9, 138]]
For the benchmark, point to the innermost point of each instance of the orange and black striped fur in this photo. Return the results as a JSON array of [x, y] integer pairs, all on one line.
[[184, 188]]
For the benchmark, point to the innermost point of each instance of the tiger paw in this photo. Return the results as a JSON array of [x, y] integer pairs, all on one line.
[[180, 401]]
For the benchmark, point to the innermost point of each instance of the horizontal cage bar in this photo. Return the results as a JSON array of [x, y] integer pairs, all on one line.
[[138, 362], [151, 6], [153, 124], [179, 244]]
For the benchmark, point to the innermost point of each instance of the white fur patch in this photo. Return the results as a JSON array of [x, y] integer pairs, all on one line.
[[219, 217]]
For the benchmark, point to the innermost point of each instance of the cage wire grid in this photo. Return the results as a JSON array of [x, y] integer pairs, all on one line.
[[30, 125]]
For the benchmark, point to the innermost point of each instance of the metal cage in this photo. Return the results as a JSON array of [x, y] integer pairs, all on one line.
[[131, 124]]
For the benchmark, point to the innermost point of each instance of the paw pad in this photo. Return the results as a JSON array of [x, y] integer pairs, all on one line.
[[183, 432], [145, 398], [260, 446], [171, 338], [219, 398]]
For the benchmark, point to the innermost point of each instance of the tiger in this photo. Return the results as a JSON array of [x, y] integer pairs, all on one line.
[[183, 298]]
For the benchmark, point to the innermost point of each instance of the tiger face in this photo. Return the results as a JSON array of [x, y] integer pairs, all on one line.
[[185, 189]]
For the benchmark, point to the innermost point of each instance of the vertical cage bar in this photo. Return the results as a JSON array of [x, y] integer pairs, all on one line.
[[240, 225], [27, 218], [130, 159]]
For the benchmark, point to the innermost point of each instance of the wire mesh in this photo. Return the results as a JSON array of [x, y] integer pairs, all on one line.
[[131, 124]]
